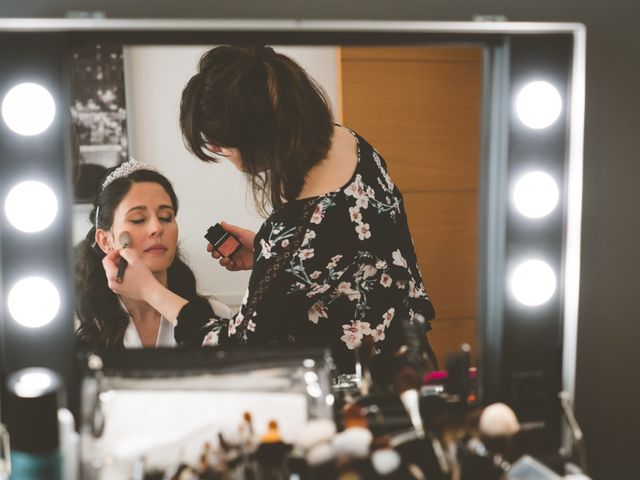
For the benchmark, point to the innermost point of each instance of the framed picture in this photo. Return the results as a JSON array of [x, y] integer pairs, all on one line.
[[99, 115]]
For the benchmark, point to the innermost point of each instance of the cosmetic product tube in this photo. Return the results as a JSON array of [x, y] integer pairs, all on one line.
[[69, 445], [32, 421], [223, 242]]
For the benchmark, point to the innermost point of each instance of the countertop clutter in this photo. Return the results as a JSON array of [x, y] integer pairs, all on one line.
[[273, 415]]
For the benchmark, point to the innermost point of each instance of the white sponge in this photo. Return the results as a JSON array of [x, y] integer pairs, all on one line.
[[498, 420], [353, 442], [385, 461], [314, 432]]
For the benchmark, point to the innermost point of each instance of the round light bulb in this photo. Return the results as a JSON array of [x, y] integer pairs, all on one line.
[[536, 194], [533, 282], [28, 109], [33, 302], [31, 206], [33, 382], [538, 104]]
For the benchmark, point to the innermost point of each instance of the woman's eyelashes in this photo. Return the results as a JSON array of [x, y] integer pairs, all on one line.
[[139, 221]]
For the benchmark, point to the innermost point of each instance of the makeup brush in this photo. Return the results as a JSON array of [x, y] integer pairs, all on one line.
[[125, 241], [498, 425], [271, 453]]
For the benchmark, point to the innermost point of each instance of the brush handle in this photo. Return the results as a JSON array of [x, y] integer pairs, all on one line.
[[121, 268]]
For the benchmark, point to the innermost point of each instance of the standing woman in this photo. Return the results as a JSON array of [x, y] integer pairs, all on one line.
[[334, 263]]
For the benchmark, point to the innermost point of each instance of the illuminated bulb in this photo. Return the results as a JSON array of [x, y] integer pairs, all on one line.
[[314, 390], [536, 194], [33, 302], [310, 377], [33, 382], [31, 206], [538, 104], [533, 282], [28, 109]]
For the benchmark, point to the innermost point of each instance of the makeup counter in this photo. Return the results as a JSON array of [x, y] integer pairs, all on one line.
[[272, 414]]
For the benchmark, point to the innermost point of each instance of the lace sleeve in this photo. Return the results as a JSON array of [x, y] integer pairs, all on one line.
[[198, 325]]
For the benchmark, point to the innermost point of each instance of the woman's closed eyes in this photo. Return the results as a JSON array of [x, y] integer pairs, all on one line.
[[139, 221]]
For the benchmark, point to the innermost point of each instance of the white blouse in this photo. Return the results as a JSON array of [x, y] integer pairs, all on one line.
[[165, 333]]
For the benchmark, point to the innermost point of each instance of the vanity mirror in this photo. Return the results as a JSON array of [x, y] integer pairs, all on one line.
[[512, 94]]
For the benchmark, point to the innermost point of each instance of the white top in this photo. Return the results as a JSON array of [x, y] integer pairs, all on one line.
[[165, 333]]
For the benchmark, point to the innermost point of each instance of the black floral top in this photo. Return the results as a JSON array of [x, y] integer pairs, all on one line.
[[351, 273]]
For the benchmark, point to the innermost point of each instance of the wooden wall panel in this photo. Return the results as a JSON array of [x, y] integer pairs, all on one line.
[[426, 115], [444, 229], [421, 108], [448, 335]]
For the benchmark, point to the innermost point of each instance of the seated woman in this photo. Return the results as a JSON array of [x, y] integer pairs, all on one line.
[[136, 199]]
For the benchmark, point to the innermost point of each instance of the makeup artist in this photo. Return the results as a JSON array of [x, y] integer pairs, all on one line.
[[333, 263], [136, 201]]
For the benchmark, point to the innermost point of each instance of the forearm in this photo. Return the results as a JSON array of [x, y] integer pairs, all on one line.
[[165, 301]]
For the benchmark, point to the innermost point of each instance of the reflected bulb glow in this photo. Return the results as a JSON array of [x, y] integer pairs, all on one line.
[[33, 302], [28, 109], [311, 377], [33, 383], [314, 390], [536, 194], [533, 282], [31, 206], [538, 104]]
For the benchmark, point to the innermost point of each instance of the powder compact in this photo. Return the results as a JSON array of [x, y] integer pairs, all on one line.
[[223, 242]]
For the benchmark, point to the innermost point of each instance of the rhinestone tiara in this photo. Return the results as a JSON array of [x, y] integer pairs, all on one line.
[[126, 169]]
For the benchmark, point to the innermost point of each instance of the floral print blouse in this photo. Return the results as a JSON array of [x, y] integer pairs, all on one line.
[[353, 274]]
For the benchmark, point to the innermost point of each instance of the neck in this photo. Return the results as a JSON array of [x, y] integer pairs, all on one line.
[[332, 172], [139, 309]]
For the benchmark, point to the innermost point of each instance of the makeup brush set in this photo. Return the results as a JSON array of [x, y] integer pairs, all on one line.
[[402, 419]]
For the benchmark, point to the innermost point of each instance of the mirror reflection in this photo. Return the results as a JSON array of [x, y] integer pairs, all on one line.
[[207, 419], [419, 107]]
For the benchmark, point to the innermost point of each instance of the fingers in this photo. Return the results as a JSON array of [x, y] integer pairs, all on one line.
[[110, 264], [128, 254], [233, 229], [244, 235], [214, 253], [229, 264], [110, 261]]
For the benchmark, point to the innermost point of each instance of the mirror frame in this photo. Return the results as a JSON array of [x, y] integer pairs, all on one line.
[[44, 43]]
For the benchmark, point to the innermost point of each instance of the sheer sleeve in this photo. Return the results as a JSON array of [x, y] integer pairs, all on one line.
[[200, 323]]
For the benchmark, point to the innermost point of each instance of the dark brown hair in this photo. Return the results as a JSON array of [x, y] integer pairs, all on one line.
[[265, 105], [103, 321]]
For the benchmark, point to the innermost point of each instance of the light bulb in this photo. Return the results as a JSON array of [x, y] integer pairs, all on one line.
[[33, 382], [533, 282], [33, 302], [536, 194], [28, 109], [31, 206], [538, 104]]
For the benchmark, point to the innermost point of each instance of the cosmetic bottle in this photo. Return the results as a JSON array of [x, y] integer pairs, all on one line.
[[223, 242], [32, 421]]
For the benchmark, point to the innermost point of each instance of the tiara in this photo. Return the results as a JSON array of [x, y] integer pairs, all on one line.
[[126, 169]]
